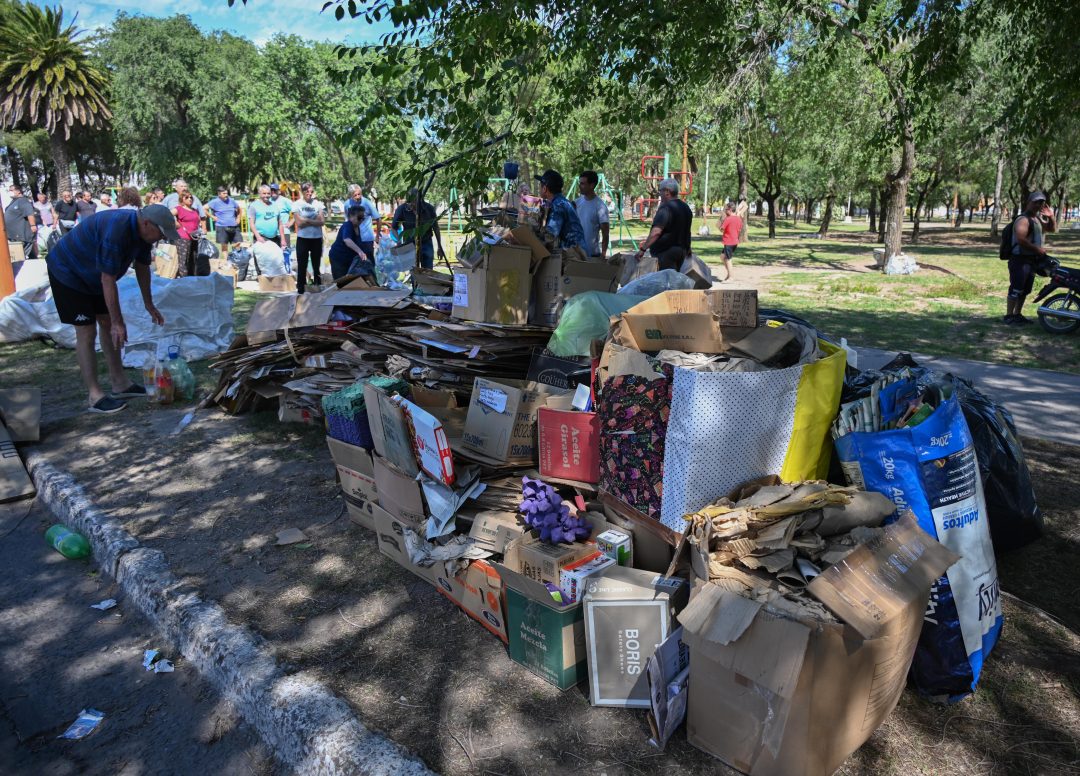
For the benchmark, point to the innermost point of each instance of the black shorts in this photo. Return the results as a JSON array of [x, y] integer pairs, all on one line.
[[1021, 277], [729, 251], [76, 307], [228, 234]]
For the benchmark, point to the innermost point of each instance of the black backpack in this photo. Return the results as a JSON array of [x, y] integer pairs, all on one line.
[[1005, 248]]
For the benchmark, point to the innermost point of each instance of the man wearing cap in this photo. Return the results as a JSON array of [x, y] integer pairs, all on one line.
[[1027, 247], [669, 238], [562, 220], [419, 230], [83, 269]]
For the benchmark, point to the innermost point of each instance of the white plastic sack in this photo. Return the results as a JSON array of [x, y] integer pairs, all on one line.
[[43, 233], [901, 264], [29, 314], [270, 258]]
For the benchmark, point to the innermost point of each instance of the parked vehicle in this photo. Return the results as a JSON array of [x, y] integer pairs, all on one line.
[[1060, 313]]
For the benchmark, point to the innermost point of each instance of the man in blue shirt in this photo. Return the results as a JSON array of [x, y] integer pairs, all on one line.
[[83, 269], [562, 220], [371, 222], [226, 212]]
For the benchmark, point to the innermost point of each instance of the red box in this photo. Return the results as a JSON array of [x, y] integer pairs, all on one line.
[[569, 445]]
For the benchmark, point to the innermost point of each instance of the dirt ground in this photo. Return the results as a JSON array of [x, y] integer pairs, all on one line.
[[415, 667]]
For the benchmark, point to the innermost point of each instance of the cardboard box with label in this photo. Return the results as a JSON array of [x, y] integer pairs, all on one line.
[[496, 290], [775, 693], [493, 530], [296, 407], [689, 321], [563, 373], [501, 423], [569, 444], [478, 591], [544, 562], [627, 613], [557, 278], [356, 472], [390, 537], [400, 494]]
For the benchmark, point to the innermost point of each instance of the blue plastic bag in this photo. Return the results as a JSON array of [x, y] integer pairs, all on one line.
[[932, 470]]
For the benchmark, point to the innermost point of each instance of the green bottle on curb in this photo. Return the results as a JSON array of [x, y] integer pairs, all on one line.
[[68, 543]]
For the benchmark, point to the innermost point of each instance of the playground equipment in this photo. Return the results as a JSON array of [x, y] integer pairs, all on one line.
[[656, 168]]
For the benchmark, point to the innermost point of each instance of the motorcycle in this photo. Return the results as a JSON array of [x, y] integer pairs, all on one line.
[[1060, 314]]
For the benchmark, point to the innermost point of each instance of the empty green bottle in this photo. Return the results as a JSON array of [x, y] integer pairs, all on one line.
[[68, 543]]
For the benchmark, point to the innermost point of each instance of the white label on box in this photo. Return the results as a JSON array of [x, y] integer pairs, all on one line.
[[493, 398], [461, 289]]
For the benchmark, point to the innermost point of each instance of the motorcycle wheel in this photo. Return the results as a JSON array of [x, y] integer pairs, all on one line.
[[1053, 323]]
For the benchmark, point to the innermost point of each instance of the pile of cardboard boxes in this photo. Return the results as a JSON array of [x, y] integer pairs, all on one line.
[[649, 616]]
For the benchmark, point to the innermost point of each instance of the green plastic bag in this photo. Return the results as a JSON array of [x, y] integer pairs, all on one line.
[[585, 318]]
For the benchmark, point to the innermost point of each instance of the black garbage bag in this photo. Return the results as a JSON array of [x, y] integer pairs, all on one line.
[[1015, 517], [241, 258]]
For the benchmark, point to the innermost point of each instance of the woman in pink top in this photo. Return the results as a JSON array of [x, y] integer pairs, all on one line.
[[730, 227], [187, 224]]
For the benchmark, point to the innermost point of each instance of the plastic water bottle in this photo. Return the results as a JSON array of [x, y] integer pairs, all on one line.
[[165, 386], [182, 376], [149, 371], [68, 543]]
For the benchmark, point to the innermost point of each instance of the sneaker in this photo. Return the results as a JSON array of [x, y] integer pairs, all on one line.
[[107, 405], [1008, 319], [132, 392], [1019, 320]]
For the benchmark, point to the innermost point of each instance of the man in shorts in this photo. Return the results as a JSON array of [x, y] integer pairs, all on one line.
[[84, 267], [731, 227], [226, 212], [1027, 248]]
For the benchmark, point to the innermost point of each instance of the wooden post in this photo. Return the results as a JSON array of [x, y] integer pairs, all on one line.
[[7, 274]]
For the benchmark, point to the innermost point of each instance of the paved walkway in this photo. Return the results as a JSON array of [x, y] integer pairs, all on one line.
[[1044, 404]]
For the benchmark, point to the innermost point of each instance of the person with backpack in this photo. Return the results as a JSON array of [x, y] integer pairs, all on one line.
[[1022, 246]]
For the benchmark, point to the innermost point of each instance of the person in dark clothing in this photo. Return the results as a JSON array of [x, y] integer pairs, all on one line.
[[20, 221], [67, 212], [405, 218], [669, 239]]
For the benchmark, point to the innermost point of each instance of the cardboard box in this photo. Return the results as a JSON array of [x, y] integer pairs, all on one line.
[[668, 671], [563, 373], [569, 444], [478, 591], [627, 613], [20, 411], [361, 511], [399, 493], [277, 283], [296, 407], [581, 276], [390, 537], [772, 693], [617, 545], [558, 277], [15, 483], [497, 289], [689, 321], [390, 429], [501, 422], [572, 578], [524, 235], [493, 530], [544, 562], [429, 443], [225, 268], [355, 468]]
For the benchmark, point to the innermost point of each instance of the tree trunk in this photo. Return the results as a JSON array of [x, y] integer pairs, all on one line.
[[883, 201], [757, 208], [61, 161], [740, 172], [826, 217], [772, 216], [897, 187], [916, 216], [871, 212], [16, 164], [810, 211]]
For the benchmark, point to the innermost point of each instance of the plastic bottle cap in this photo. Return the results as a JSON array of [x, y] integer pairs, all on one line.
[[174, 351]]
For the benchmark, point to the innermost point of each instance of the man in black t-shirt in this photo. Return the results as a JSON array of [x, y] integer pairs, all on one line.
[[669, 238], [422, 234], [20, 221], [67, 212]]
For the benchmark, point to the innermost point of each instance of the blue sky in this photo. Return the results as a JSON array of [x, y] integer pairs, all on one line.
[[258, 21]]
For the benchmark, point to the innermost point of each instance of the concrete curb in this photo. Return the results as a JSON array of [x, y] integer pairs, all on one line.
[[306, 726]]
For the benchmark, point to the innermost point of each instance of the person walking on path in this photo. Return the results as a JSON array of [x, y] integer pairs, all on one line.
[[226, 213], [562, 219], [310, 215], [1027, 247], [187, 226], [20, 221], [419, 230], [83, 269], [593, 214], [67, 212], [730, 228], [348, 247], [265, 218], [669, 238], [370, 222]]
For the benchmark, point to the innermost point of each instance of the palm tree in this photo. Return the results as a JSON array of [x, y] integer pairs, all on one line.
[[48, 80]]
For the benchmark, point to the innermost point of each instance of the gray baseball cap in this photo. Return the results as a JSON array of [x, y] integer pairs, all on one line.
[[161, 217], [1036, 196]]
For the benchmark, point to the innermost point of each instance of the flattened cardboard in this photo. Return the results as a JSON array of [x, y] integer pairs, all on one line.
[[478, 591], [399, 493], [15, 483], [365, 296], [268, 316], [497, 289], [569, 444], [389, 535], [277, 283], [771, 695], [390, 430], [524, 235], [668, 671], [690, 321], [20, 411]]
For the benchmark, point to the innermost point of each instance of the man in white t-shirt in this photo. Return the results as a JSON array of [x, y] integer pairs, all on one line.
[[310, 215], [593, 214]]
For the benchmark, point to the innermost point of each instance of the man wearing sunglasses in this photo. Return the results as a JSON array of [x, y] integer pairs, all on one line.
[[83, 269]]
